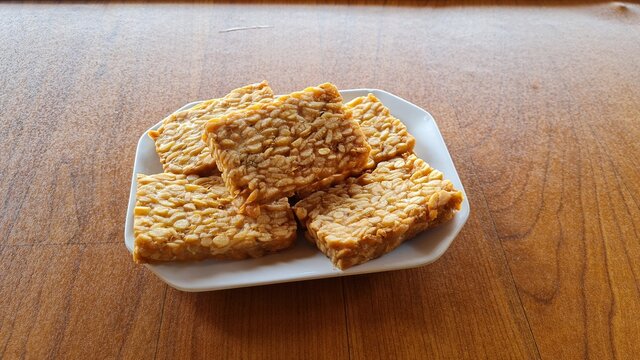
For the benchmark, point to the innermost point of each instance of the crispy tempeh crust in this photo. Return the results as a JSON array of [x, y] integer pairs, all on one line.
[[179, 139], [387, 136], [366, 217], [270, 150], [180, 217]]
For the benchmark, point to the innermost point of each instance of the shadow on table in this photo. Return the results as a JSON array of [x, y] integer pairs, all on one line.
[[309, 311], [262, 317]]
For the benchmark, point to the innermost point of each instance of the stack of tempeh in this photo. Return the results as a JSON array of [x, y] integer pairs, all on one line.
[[231, 163]]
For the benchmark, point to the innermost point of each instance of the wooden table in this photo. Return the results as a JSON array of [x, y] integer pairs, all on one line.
[[540, 108]]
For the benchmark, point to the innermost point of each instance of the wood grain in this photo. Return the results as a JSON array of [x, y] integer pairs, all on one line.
[[289, 321], [76, 302], [539, 106], [569, 218], [473, 297]]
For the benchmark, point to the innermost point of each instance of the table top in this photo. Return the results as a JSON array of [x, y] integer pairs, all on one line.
[[540, 109]]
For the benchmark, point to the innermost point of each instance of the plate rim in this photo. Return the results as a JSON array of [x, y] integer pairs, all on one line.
[[463, 214]]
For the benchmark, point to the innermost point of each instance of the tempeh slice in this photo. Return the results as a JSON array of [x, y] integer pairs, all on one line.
[[179, 139], [366, 217], [179, 217], [387, 136], [270, 150]]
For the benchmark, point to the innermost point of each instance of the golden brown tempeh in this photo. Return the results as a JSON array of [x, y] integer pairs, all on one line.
[[179, 139], [387, 136], [366, 217], [180, 217], [270, 150]]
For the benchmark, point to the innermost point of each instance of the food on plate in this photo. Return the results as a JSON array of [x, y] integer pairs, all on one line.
[[387, 136], [270, 150], [179, 217], [179, 139], [366, 217], [233, 165]]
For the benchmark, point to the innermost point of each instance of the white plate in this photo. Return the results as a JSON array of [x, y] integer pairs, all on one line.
[[303, 261]]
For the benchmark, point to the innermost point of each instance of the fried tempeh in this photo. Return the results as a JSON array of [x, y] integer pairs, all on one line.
[[366, 217], [179, 139], [270, 150], [179, 217], [387, 136]]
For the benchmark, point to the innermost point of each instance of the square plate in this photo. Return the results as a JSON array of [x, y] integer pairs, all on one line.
[[303, 261]]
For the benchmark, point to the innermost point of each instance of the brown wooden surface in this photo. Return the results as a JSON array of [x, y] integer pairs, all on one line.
[[540, 108]]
